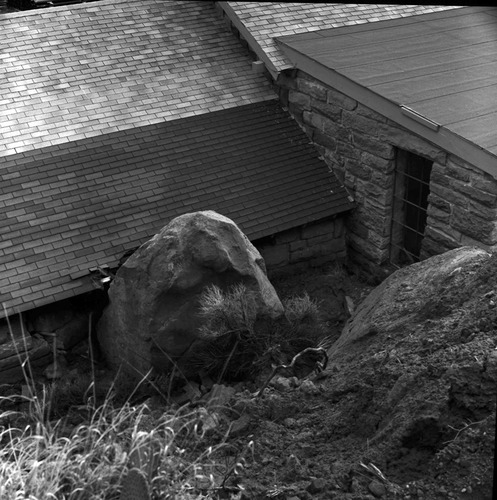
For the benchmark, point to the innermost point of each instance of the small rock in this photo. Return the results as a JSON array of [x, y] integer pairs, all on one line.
[[304, 436], [293, 463], [240, 425], [244, 405], [203, 482], [289, 422], [307, 451], [205, 381], [220, 395], [191, 392], [355, 486], [376, 488], [305, 495], [308, 387], [316, 485], [350, 305], [56, 370], [209, 420], [281, 384]]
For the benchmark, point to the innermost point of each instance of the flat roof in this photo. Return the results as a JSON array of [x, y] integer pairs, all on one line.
[[441, 65]]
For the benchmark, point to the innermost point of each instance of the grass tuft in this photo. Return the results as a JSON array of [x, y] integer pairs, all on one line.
[[43, 456]]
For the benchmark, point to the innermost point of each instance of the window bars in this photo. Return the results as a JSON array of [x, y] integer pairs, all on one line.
[[410, 203]]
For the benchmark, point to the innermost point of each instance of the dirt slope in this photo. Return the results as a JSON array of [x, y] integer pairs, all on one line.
[[406, 408]]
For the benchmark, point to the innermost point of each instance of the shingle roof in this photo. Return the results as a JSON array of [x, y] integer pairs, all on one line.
[[267, 20], [80, 204], [83, 70]]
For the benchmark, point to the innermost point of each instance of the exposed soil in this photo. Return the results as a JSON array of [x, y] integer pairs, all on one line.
[[409, 414]]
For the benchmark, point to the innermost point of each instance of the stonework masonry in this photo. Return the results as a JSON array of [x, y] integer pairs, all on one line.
[[359, 146], [306, 246]]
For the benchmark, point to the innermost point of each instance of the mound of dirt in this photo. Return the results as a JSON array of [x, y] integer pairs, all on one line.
[[406, 408]]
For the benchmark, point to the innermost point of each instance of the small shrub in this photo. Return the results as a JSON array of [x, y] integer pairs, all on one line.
[[301, 310], [236, 343], [338, 273], [304, 327], [230, 312], [227, 338]]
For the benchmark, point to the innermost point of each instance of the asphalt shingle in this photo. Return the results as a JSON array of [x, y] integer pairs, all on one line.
[[73, 206], [83, 70]]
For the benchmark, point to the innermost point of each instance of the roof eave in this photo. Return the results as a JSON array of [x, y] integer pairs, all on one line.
[[425, 128], [82, 282]]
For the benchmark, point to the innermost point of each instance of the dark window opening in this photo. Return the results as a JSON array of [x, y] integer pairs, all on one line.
[[412, 186]]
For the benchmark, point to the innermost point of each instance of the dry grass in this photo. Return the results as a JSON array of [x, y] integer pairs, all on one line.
[[42, 459], [37, 462]]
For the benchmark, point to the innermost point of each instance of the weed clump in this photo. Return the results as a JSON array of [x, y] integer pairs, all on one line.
[[237, 342]]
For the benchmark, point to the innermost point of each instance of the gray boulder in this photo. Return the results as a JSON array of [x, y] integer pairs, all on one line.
[[409, 297], [153, 314]]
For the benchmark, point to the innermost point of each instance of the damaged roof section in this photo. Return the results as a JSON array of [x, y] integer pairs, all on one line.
[[82, 204], [79, 71], [260, 22]]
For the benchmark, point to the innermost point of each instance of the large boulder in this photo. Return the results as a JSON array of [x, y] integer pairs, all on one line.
[[414, 374], [429, 289], [153, 312]]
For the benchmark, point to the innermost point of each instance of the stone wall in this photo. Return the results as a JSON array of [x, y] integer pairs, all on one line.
[[360, 146], [462, 208], [306, 246]]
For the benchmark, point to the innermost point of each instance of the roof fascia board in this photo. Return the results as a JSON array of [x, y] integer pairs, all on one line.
[[254, 45], [443, 138]]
